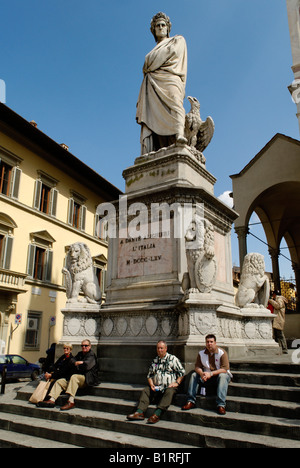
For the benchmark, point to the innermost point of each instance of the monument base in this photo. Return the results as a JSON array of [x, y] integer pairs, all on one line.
[[156, 270], [129, 334]]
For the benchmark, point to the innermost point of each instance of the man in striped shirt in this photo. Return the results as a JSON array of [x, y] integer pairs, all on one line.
[[164, 377]]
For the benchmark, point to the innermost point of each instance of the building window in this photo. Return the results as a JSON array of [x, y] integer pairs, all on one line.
[[100, 263], [45, 199], [9, 179], [101, 277], [77, 212], [76, 215], [40, 257], [5, 177], [32, 336], [39, 263], [46, 194]]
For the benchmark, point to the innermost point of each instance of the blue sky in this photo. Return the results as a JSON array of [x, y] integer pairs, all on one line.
[[76, 68]]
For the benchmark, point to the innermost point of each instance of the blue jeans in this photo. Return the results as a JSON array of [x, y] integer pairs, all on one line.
[[221, 381]]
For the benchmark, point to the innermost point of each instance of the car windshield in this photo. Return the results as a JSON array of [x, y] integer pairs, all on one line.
[[2, 359]]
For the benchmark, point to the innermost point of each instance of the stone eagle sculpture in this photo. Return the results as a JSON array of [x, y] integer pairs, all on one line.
[[197, 131]]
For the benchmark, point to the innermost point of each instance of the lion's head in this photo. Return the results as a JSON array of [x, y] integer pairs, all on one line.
[[254, 264], [78, 258]]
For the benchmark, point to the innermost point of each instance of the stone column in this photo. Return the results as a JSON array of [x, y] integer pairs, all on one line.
[[274, 254], [242, 233]]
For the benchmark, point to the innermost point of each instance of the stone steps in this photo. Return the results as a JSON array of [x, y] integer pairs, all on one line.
[[81, 428], [263, 410], [267, 378], [11, 439], [101, 397], [55, 425]]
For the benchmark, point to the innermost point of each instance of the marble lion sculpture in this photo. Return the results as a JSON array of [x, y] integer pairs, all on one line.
[[80, 276], [254, 289]]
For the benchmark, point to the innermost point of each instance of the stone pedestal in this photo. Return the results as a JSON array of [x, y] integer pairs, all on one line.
[[81, 321], [145, 298], [243, 332]]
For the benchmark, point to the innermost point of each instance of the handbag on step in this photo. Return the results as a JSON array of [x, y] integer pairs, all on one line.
[[40, 392]]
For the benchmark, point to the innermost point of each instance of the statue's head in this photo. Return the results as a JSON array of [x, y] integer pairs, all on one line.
[[156, 18], [78, 257]]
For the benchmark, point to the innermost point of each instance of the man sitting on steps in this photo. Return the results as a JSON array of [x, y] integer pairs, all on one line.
[[164, 377], [212, 368]]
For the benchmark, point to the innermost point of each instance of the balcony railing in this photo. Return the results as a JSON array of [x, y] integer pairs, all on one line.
[[12, 281]]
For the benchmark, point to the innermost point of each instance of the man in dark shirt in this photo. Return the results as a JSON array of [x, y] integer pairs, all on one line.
[[85, 374]]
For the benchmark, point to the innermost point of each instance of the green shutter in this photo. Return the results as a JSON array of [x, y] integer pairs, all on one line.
[[16, 183], [7, 252], [82, 217], [48, 266], [53, 202], [71, 211], [37, 194], [30, 261]]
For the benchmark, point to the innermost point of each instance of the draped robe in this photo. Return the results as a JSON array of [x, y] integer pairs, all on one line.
[[160, 108]]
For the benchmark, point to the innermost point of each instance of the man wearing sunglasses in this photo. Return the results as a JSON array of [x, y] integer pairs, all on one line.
[[85, 374]]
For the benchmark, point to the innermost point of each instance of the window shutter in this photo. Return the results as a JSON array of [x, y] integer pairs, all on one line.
[[37, 194], [82, 217], [48, 266], [71, 211], [53, 202], [7, 252], [16, 183], [97, 225], [103, 281], [30, 261]]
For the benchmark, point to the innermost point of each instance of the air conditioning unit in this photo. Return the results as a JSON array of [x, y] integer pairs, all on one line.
[[32, 324]]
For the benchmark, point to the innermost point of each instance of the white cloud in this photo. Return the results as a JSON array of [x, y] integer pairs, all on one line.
[[226, 198]]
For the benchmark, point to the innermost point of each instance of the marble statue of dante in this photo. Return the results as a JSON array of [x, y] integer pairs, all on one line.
[[160, 110]]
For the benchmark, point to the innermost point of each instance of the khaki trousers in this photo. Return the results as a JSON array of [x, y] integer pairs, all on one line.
[[71, 387]]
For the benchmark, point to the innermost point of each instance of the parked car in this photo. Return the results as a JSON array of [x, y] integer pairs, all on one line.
[[18, 367]]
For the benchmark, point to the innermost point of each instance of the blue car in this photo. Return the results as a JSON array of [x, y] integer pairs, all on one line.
[[18, 367]]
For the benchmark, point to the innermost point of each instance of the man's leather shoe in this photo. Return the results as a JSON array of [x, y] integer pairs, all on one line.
[[189, 405], [136, 416], [46, 404], [67, 407], [221, 410], [153, 419]]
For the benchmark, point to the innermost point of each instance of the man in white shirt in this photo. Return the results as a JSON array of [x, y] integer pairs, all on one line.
[[212, 367]]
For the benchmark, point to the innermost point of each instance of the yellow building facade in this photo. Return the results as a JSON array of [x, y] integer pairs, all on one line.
[[48, 201]]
